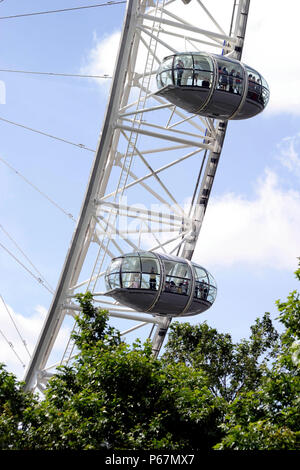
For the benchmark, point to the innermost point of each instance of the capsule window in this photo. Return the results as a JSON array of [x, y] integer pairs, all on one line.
[[150, 265], [254, 85], [167, 63], [131, 280], [165, 73], [201, 290], [201, 283], [230, 77], [203, 71], [131, 269], [212, 281], [166, 78], [131, 264], [200, 274], [183, 70], [115, 266], [150, 273], [265, 93], [212, 293], [113, 281], [150, 281], [112, 277], [178, 277]]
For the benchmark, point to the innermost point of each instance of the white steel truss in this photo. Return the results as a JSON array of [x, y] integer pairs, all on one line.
[[154, 166]]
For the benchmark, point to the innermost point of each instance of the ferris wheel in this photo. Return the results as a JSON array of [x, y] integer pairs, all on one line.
[[178, 80]]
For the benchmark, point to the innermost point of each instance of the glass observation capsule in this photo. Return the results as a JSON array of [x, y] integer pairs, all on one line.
[[212, 85], [161, 284]]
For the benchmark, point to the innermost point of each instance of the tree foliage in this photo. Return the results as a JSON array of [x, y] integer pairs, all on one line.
[[268, 417], [206, 392], [230, 367], [13, 403], [120, 397]]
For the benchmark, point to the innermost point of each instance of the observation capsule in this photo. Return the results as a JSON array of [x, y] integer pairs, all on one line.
[[161, 284], [212, 85]]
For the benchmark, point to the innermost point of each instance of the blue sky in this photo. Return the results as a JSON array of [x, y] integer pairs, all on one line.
[[250, 236]]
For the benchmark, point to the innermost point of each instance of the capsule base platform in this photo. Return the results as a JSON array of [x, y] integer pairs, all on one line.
[[169, 304], [193, 100]]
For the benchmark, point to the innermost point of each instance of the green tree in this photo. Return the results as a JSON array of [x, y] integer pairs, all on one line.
[[120, 397], [230, 367], [268, 418], [13, 402]]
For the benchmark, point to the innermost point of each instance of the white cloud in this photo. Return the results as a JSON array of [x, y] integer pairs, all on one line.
[[102, 56], [262, 232], [29, 329], [256, 232], [289, 155], [271, 46]]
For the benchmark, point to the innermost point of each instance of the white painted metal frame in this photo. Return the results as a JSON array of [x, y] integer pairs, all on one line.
[[132, 200]]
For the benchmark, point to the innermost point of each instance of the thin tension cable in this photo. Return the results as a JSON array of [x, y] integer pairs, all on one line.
[[62, 10], [56, 74], [38, 190], [47, 135], [25, 256], [15, 325], [12, 347], [40, 281]]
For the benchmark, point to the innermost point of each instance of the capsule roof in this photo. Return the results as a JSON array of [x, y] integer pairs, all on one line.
[[160, 283], [212, 85]]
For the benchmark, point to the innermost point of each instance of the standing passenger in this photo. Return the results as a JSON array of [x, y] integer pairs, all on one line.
[[231, 80], [219, 77], [196, 72], [152, 280], [238, 82], [179, 68], [224, 80], [251, 87]]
